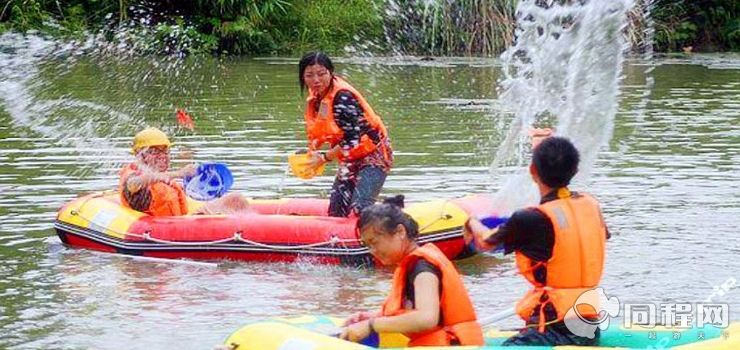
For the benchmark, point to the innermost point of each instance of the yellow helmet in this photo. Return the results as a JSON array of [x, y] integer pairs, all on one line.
[[150, 137]]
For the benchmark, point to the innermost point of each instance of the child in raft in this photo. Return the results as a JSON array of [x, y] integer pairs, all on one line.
[[147, 186], [428, 302]]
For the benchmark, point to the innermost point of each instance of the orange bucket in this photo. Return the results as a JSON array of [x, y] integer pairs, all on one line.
[[300, 165]]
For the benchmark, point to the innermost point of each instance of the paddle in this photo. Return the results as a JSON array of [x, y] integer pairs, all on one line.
[[499, 316]]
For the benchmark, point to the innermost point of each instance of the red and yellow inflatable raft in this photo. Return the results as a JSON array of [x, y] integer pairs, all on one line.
[[278, 230]]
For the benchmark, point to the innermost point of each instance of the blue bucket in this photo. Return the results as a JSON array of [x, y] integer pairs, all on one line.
[[211, 181], [492, 222]]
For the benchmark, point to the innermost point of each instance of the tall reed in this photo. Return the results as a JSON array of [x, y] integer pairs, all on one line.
[[440, 27]]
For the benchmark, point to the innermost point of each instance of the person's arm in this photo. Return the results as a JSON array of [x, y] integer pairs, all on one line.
[[359, 317], [137, 195], [478, 236], [359, 138], [136, 182], [425, 315], [538, 135], [350, 118], [527, 230]]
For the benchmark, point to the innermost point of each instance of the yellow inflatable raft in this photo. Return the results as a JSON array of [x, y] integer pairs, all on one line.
[[319, 333]]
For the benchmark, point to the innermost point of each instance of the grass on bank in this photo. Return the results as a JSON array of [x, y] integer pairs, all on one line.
[[268, 27]]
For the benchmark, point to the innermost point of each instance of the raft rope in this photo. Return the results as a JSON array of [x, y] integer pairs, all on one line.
[[333, 241], [443, 215], [237, 237]]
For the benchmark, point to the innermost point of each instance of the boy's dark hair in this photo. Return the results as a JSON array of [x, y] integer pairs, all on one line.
[[556, 160], [309, 59], [387, 216]]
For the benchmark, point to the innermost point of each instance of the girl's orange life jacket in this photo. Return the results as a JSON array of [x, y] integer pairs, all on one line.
[[322, 128], [167, 199], [458, 320], [577, 258]]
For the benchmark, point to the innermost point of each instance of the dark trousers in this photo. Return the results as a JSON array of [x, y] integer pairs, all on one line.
[[555, 334], [355, 190]]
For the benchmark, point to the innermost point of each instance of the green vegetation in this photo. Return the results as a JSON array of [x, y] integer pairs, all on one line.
[[702, 25], [462, 27], [241, 27], [265, 27]]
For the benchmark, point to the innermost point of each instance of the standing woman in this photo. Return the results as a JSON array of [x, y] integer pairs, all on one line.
[[338, 116]]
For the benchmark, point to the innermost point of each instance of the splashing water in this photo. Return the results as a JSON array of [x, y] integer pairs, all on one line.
[[89, 127], [563, 71], [21, 91]]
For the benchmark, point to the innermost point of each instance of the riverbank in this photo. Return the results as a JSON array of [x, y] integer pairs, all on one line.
[[282, 27]]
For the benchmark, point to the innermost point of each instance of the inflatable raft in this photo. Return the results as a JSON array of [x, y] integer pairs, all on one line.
[[319, 333], [278, 230]]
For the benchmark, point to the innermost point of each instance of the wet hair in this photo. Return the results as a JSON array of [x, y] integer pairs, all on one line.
[[387, 216], [309, 59], [556, 161]]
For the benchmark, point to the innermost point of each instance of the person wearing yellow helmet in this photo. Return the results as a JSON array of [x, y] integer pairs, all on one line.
[[147, 185]]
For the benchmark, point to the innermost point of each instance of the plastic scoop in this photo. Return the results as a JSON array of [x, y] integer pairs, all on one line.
[[300, 165], [490, 222], [493, 221], [211, 181]]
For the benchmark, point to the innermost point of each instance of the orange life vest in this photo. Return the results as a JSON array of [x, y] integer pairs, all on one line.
[[167, 199], [577, 258], [456, 310], [322, 128]]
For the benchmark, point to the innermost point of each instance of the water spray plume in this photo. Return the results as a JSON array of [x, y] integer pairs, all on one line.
[[563, 71]]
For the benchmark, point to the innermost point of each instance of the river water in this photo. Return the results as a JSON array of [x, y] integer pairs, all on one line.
[[669, 182]]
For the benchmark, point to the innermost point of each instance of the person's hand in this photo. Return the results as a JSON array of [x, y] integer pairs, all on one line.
[[475, 233], [468, 237], [187, 171], [314, 144], [356, 331], [317, 160], [152, 177], [472, 228], [537, 135], [184, 153], [357, 317]]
